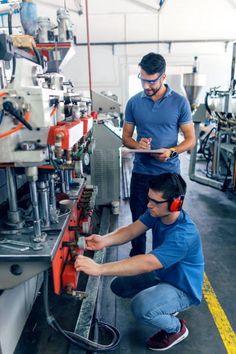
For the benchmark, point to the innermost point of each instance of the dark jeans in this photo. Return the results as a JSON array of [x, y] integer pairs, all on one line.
[[138, 204]]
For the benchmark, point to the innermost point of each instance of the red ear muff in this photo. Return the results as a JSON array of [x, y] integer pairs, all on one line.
[[175, 204]]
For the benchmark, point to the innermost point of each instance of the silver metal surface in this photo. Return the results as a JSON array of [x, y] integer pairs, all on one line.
[[15, 248], [104, 104], [13, 212], [33, 246], [44, 203], [193, 84], [106, 164]]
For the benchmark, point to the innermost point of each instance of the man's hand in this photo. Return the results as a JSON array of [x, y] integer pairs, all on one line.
[[164, 156], [87, 265], [144, 143], [95, 242]]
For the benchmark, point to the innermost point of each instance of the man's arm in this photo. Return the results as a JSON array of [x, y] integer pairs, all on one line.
[[127, 138], [125, 267], [117, 237], [189, 138]]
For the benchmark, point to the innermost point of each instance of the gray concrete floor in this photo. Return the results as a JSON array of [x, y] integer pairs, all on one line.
[[214, 213]]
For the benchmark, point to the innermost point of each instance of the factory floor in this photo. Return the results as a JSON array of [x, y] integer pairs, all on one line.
[[212, 325]]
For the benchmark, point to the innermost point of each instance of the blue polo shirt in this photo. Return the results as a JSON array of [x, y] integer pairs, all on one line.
[[178, 247], [160, 121]]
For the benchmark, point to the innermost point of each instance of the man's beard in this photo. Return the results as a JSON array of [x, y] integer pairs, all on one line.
[[154, 91]]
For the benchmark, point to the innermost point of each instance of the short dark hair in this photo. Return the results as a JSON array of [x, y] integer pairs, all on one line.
[[153, 63], [171, 185]]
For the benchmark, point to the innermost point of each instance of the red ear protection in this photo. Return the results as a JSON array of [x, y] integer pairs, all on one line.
[[175, 204]]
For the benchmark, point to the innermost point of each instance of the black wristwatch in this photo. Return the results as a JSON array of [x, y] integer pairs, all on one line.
[[173, 153]]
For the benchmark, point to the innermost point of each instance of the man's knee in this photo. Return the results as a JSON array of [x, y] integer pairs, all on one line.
[[138, 308]]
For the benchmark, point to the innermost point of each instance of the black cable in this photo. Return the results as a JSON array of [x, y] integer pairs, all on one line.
[[13, 69], [75, 338], [1, 116], [9, 107], [206, 103], [204, 142], [9, 21], [38, 56]]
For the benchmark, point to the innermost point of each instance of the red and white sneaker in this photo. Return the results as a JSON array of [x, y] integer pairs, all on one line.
[[162, 340]]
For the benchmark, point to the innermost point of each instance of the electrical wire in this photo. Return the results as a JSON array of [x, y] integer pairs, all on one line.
[[75, 338]]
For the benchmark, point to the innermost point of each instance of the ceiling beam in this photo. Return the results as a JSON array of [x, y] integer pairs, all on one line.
[[143, 5]]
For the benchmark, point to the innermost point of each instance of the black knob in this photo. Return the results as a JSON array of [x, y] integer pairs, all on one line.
[[16, 269]]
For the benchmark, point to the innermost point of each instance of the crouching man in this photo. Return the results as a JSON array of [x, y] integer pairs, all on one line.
[[168, 279]]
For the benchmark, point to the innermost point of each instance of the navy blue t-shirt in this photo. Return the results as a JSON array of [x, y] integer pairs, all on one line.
[[178, 247], [160, 121]]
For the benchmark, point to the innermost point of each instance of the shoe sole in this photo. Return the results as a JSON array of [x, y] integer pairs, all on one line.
[[185, 335]]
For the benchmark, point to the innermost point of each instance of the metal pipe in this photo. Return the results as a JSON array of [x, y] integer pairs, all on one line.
[[63, 186], [44, 205], [216, 156], [169, 42], [52, 195], [11, 189], [34, 200], [13, 212], [192, 175], [88, 48], [232, 78], [67, 181]]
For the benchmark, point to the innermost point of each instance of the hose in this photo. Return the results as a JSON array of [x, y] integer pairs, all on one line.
[[19, 127], [206, 103], [75, 338], [54, 111], [204, 143]]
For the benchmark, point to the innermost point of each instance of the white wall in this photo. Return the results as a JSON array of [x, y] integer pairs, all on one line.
[[111, 71]]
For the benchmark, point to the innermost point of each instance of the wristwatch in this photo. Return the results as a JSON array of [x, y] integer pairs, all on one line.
[[173, 153]]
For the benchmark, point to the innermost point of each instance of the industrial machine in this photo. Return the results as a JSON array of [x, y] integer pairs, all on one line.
[[213, 159], [47, 205], [46, 202]]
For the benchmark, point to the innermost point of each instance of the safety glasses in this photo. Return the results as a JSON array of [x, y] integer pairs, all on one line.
[[150, 82], [153, 201]]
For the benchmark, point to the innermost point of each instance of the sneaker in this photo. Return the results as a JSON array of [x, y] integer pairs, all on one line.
[[162, 340], [175, 314]]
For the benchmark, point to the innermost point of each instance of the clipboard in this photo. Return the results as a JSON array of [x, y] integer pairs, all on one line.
[[144, 151]]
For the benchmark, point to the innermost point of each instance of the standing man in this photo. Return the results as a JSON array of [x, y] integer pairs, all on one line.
[[168, 279], [157, 113]]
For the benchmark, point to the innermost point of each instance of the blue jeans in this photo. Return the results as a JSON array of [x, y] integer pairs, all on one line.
[[152, 301], [138, 204]]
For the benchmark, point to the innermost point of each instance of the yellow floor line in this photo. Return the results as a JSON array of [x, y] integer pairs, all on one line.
[[222, 323]]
